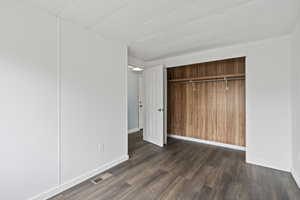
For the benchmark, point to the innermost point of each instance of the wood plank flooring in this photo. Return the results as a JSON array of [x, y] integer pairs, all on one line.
[[186, 170]]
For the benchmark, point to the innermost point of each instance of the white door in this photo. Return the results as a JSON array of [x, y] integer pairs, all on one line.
[[141, 103], [154, 105]]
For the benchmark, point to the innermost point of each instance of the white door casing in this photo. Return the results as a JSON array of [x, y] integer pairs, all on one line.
[[165, 105], [154, 105]]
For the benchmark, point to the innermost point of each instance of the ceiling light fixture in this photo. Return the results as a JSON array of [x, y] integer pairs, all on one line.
[[136, 69]]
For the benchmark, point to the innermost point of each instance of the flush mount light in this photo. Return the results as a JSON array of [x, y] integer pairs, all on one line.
[[136, 69]]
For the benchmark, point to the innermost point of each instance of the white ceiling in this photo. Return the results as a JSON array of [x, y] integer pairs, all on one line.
[[160, 28]]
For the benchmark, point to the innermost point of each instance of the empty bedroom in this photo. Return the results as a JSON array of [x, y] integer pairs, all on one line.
[[150, 99]]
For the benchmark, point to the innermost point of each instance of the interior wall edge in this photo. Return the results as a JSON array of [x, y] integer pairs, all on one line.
[[58, 21], [295, 47], [290, 107], [126, 99]]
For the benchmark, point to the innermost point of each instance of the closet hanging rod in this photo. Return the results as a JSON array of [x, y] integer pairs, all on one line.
[[215, 80], [210, 80], [208, 77]]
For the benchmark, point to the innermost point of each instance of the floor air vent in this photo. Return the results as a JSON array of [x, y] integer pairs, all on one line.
[[100, 178]]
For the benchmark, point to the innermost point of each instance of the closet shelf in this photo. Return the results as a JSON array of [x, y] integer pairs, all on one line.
[[208, 77]]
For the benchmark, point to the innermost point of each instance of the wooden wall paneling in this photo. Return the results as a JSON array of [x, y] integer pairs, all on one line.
[[221, 124], [236, 112], [171, 102], [199, 111], [211, 110], [242, 112], [206, 110], [222, 67], [189, 110], [177, 103], [232, 121]]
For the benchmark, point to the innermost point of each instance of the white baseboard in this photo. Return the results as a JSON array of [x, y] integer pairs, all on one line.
[[296, 176], [235, 147], [57, 190], [263, 162], [134, 130]]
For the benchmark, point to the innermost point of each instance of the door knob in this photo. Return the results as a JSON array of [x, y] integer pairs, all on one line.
[[160, 110]]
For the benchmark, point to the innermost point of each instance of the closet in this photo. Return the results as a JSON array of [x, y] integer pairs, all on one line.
[[207, 101]]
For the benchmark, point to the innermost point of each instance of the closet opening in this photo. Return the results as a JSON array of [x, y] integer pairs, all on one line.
[[206, 103]]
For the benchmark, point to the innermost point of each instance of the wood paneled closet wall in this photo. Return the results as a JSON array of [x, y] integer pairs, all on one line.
[[203, 105]]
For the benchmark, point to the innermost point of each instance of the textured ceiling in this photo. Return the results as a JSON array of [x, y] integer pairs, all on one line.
[[160, 28]]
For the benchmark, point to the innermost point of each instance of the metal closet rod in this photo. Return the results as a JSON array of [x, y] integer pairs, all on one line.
[[211, 80], [215, 80]]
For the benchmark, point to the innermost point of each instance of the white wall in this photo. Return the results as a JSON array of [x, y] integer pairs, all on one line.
[[133, 99], [268, 123], [93, 101], [93, 82], [28, 102], [295, 102]]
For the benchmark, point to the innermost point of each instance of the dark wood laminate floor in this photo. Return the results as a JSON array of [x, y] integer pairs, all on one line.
[[186, 170]]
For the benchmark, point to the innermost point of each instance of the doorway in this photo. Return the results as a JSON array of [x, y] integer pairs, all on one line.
[[135, 108]]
